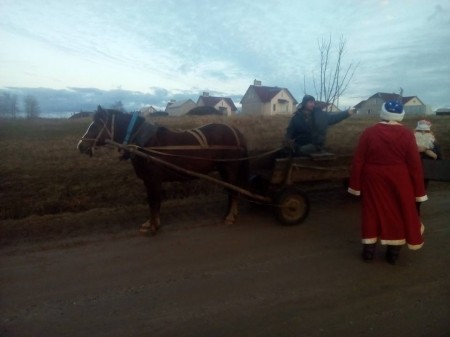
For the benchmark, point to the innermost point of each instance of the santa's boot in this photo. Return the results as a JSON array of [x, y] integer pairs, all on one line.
[[392, 253], [368, 251]]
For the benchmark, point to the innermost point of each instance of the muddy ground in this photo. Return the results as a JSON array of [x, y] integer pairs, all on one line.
[[198, 277]]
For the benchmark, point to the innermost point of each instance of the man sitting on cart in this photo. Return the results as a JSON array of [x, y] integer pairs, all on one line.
[[307, 129]]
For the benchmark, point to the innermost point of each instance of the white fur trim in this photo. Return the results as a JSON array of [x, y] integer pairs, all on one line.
[[423, 125], [393, 242], [423, 128], [369, 240], [354, 192], [422, 198], [415, 247], [390, 123]]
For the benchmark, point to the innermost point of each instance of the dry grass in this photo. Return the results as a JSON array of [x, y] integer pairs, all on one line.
[[42, 174]]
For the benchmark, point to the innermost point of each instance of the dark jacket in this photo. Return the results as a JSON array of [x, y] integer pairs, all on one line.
[[313, 131]]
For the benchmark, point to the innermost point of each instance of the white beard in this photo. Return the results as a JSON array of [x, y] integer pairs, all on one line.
[[425, 140]]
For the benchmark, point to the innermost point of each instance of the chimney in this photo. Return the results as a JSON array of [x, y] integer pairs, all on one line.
[[256, 82], [205, 94]]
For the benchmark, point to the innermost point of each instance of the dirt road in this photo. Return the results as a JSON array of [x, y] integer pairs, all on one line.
[[200, 278]]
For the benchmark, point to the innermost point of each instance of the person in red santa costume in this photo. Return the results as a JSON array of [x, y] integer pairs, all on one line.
[[387, 174]]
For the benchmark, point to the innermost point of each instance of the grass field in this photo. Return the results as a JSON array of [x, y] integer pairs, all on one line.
[[45, 182]]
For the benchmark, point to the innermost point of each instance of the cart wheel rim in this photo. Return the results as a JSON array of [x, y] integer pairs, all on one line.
[[294, 207]]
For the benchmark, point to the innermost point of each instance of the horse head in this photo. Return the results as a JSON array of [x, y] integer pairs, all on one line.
[[100, 129]]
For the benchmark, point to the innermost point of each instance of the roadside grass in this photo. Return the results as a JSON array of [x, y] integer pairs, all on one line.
[[45, 183]]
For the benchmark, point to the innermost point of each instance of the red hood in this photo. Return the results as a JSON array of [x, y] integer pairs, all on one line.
[[390, 133]]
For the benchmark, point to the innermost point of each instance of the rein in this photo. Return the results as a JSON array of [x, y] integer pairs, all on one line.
[[154, 150], [159, 150]]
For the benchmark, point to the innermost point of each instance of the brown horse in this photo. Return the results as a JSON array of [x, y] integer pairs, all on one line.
[[213, 147]]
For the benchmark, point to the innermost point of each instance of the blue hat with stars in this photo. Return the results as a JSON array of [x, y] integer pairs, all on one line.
[[392, 111]]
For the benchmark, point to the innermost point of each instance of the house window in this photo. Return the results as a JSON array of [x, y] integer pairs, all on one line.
[[283, 107], [274, 107]]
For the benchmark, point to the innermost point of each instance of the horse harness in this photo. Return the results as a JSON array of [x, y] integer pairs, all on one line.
[[197, 133], [104, 128], [202, 141], [144, 132], [202, 144]]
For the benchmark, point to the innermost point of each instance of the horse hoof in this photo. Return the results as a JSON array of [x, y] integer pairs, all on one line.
[[228, 222], [144, 231], [148, 231]]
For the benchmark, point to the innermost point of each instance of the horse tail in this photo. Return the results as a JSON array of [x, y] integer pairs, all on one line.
[[244, 167], [244, 171]]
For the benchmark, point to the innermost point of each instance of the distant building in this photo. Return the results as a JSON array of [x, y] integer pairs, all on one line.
[[361, 110], [443, 111], [330, 107], [175, 108], [82, 114], [147, 110], [263, 100], [372, 106], [204, 111], [224, 104]]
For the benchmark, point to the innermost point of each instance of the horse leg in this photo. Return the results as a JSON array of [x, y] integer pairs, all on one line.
[[151, 226], [232, 213], [230, 173]]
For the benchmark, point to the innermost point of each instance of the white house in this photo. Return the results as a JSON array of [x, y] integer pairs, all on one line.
[[372, 106], [175, 108], [263, 100], [223, 104]]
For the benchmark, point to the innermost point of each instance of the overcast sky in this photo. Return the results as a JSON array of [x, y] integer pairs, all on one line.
[[221, 46]]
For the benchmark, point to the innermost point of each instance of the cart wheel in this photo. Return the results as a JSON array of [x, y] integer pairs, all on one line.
[[292, 206]]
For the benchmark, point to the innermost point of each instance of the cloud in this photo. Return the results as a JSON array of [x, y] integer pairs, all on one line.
[[221, 46]]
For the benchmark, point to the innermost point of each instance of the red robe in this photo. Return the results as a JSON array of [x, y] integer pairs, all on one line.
[[387, 173]]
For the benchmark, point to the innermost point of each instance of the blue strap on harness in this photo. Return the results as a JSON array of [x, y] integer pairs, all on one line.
[[130, 127]]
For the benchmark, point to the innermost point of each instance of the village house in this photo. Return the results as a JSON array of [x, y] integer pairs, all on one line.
[[180, 108], [223, 104], [147, 110], [442, 111], [263, 100], [411, 104]]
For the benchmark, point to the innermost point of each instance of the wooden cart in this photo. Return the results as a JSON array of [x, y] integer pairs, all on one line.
[[275, 181], [283, 182]]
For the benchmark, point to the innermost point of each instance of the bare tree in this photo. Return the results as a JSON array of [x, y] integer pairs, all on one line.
[[334, 78], [14, 106], [32, 109], [8, 105], [4, 104]]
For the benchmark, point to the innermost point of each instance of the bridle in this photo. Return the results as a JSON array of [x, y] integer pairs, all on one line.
[[103, 129]]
